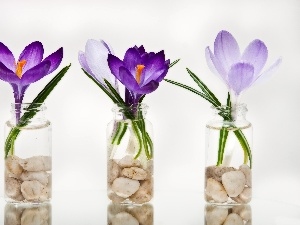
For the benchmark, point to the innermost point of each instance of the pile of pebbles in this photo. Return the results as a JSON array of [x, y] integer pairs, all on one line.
[[130, 215], [39, 214], [228, 184], [129, 181], [28, 180], [228, 215]]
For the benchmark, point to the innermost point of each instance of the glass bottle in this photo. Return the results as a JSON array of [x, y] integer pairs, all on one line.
[[27, 149], [228, 156], [130, 156]]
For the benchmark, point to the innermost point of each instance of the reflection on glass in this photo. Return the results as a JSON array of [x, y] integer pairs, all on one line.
[[118, 214], [228, 214], [27, 214]]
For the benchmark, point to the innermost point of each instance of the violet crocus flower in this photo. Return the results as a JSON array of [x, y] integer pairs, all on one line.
[[140, 72], [29, 68], [94, 61], [238, 71]]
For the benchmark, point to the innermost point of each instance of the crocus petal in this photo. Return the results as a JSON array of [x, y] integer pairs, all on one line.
[[226, 49], [154, 67], [132, 58], [108, 47], [83, 63], [55, 59], [7, 75], [215, 65], [96, 54], [19, 91], [148, 88], [7, 58], [33, 54], [256, 54], [36, 73], [114, 64], [269, 72], [240, 77], [128, 80], [141, 49]]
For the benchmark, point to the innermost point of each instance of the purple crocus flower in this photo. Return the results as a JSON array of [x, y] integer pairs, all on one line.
[[29, 68], [238, 71], [94, 62], [140, 72]]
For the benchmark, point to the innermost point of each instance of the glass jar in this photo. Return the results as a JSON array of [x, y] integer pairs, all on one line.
[[130, 156], [228, 156], [28, 154]]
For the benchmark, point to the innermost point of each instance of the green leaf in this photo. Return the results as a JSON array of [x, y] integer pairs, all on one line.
[[245, 145], [222, 144], [24, 120], [142, 98], [114, 92], [101, 86], [173, 63]]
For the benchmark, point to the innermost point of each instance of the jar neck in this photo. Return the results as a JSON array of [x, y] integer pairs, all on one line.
[[18, 110], [133, 112], [238, 112]]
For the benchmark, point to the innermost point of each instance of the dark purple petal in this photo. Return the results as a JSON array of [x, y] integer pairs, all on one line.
[[36, 73], [154, 68], [7, 58], [215, 65], [19, 91], [7, 75], [33, 54], [55, 59], [256, 54], [240, 77], [132, 58], [114, 63], [148, 88], [83, 63], [128, 97], [226, 49], [141, 49], [128, 80]]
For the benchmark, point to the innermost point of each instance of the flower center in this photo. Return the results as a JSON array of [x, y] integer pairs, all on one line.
[[19, 68], [138, 72]]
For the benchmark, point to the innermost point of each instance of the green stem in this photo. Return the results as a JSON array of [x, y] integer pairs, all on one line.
[[222, 143], [120, 131], [245, 145]]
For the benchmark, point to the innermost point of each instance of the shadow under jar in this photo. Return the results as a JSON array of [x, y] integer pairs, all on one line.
[[27, 149], [130, 156], [228, 160]]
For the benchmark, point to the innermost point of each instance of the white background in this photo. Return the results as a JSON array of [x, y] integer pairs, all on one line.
[[79, 110]]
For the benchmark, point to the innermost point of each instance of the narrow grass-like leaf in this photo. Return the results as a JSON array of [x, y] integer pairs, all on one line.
[[245, 145], [24, 120], [114, 92], [173, 63], [142, 98], [222, 144]]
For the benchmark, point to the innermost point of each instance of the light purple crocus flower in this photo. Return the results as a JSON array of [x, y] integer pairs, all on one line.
[[238, 71], [140, 72], [94, 61], [29, 68]]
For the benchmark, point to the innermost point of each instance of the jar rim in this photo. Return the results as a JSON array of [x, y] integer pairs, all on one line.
[[139, 106], [239, 106], [25, 106]]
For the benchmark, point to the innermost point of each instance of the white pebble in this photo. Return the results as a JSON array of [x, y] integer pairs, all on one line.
[[40, 176], [233, 219], [35, 216], [135, 173], [13, 167], [32, 190], [243, 211], [113, 170], [144, 193], [13, 189], [37, 163], [215, 215], [216, 190], [246, 195], [124, 218], [125, 187], [129, 161], [234, 182], [248, 174]]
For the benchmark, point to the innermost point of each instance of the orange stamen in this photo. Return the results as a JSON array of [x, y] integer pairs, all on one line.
[[138, 72], [19, 69]]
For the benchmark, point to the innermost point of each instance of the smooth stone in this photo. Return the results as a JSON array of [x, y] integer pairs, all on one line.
[[35, 216], [246, 195], [33, 190], [13, 189], [144, 193], [215, 215], [143, 213], [248, 174], [113, 170], [243, 211], [216, 172], [40, 176], [234, 182], [125, 187], [149, 169], [37, 163], [13, 167], [134, 173], [12, 215], [115, 198], [216, 191], [129, 161], [233, 219], [124, 218]]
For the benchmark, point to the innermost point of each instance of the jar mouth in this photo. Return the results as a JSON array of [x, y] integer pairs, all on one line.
[[28, 106], [237, 107], [137, 107]]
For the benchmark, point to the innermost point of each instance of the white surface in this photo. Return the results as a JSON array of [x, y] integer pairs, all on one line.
[[173, 207], [79, 110]]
